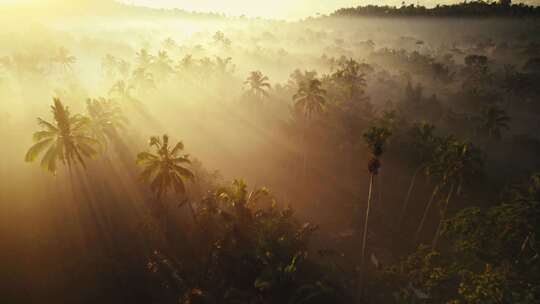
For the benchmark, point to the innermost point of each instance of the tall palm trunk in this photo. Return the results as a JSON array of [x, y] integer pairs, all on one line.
[[443, 216], [408, 196], [426, 211], [164, 220], [304, 143], [193, 214], [364, 237]]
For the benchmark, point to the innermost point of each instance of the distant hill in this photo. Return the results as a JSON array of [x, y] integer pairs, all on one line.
[[503, 8]]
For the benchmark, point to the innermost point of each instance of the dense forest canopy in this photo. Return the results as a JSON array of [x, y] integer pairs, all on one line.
[[164, 156], [475, 8]]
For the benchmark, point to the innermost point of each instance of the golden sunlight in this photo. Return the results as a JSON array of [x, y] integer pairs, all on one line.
[[178, 151]]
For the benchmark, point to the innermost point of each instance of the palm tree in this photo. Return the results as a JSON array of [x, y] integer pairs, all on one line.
[[309, 99], [376, 139], [238, 197], [169, 44], [144, 59], [164, 170], [186, 64], [423, 144], [351, 76], [461, 161], [435, 169], [105, 119], [258, 85], [162, 65], [494, 120], [121, 90], [64, 139], [108, 64], [224, 65], [142, 79], [64, 59]]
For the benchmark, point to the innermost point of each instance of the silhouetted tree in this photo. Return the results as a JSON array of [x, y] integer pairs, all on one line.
[[376, 139], [164, 171], [65, 139]]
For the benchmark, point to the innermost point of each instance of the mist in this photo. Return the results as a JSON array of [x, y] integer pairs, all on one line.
[[159, 155]]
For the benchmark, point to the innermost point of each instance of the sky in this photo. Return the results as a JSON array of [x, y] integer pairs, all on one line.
[[280, 9], [284, 9]]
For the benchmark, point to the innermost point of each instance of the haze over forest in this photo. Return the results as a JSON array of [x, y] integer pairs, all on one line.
[[329, 152]]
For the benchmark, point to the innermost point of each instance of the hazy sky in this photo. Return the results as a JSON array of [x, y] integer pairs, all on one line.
[[277, 8]]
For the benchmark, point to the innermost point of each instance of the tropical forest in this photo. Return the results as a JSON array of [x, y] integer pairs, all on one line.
[[269, 152]]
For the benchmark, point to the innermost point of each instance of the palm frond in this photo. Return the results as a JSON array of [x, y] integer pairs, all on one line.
[[145, 157], [36, 149], [47, 125], [38, 136]]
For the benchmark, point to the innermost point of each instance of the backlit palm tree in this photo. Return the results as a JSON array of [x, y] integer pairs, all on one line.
[[162, 65], [105, 120], [142, 80], [144, 59], [258, 85], [121, 90], [424, 143], [65, 139], [461, 161], [351, 76], [310, 98], [376, 139], [238, 196], [164, 170], [64, 59]]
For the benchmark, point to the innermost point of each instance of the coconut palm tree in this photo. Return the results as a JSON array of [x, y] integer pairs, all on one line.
[[65, 139], [494, 120], [308, 100], [144, 59], [169, 44], [64, 59], [108, 64], [238, 197], [142, 80], [105, 120], [224, 65], [424, 142], [376, 139], [461, 161], [186, 64], [164, 170], [162, 65], [121, 90], [435, 169], [351, 76], [258, 85]]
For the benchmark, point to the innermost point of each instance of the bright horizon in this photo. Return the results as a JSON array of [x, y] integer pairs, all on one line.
[[276, 9], [283, 9]]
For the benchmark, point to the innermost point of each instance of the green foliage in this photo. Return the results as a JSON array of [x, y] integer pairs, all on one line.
[[163, 170], [310, 98], [65, 139], [257, 250], [105, 120], [476, 8], [258, 85], [492, 256], [351, 77]]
